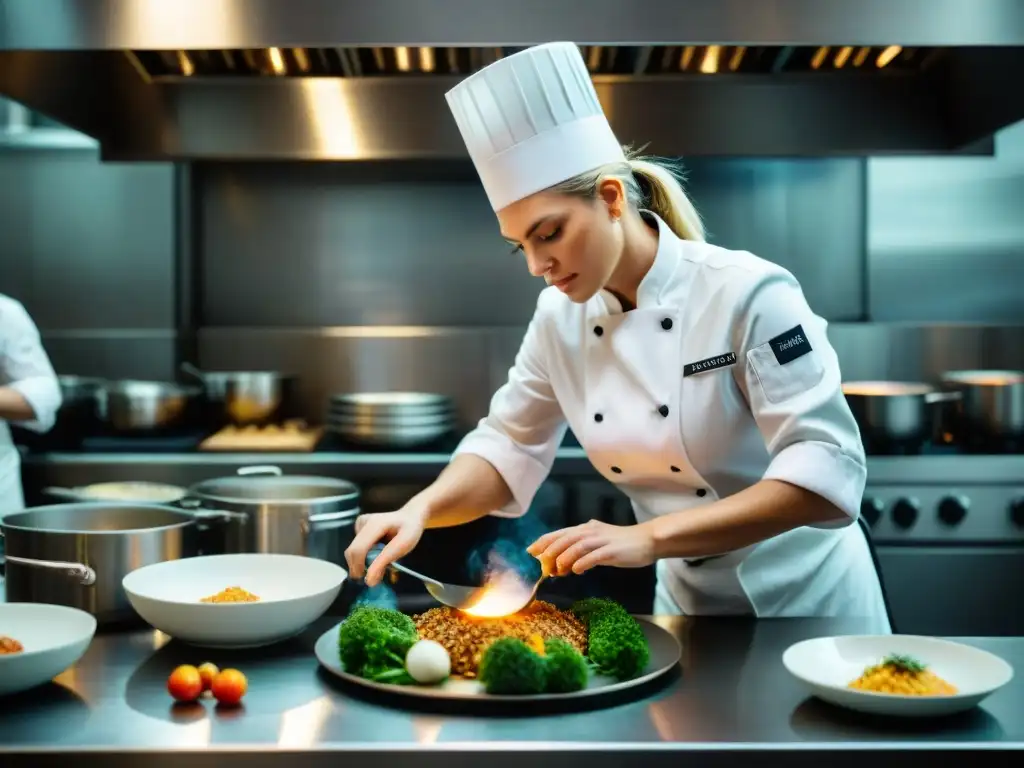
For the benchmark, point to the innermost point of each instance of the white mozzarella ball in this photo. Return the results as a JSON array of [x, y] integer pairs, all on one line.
[[428, 662]]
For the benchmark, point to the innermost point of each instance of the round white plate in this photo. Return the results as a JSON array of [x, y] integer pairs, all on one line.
[[827, 665], [664, 656], [294, 592], [54, 637]]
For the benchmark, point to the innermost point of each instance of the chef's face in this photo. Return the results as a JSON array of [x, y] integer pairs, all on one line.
[[574, 243]]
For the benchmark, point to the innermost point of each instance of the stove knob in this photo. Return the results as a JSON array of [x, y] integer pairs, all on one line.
[[871, 510], [1017, 511], [904, 512], [953, 509]]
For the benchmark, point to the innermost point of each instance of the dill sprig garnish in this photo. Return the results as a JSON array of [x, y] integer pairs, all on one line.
[[902, 662]]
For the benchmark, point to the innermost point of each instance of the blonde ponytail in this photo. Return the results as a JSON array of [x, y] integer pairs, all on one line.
[[663, 188], [650, 183]]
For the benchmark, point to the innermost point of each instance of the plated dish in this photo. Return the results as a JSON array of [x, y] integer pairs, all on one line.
[[902, 675], [39, 642], [539, 653], [234, 601]]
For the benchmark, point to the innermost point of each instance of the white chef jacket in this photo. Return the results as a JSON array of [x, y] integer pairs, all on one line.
[[722, 376], [25, 367]]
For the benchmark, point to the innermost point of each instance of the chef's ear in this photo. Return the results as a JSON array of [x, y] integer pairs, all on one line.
[[612, 192]]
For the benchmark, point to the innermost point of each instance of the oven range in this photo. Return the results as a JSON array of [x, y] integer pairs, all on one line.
[[948, 528]]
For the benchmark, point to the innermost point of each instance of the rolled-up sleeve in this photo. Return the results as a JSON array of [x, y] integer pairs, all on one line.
[[525, 425], [792, 382], [25, 367]]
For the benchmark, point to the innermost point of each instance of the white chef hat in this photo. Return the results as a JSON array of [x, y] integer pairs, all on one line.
[[532, 120]]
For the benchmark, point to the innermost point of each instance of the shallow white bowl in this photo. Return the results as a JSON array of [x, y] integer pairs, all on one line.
[[294, 592], [827, 665], [54, 637]]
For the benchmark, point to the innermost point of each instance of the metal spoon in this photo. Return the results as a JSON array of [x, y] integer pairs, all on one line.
[[452, 595], [446, 594]]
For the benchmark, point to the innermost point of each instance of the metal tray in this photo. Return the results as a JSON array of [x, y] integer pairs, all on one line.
[[665, 655]]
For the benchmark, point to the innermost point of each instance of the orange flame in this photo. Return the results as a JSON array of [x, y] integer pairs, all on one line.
[[503, 593]]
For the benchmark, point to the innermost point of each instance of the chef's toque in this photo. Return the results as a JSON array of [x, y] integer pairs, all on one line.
[[532, 120]]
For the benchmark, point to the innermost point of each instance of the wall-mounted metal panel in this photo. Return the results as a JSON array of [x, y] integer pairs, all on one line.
[[329, 245], [319, 244], [946, 237], [87, 245]]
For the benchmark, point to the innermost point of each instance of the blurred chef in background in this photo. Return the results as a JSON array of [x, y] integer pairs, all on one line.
[[29, 394]]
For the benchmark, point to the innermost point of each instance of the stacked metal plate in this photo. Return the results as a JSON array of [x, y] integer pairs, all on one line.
[[391, 419]]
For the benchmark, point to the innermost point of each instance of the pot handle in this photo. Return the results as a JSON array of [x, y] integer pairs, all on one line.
[[85, 575], [63, 493], [195, 506], [191, 370], [323, 521], [943, 397], [261, 469]]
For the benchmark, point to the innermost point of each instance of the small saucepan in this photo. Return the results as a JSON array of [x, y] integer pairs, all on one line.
[[246, 398], [895, 413], [141, 406], [991, 407]]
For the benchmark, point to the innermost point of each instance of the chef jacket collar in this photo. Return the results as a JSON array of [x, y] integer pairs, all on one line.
[[658, 276]]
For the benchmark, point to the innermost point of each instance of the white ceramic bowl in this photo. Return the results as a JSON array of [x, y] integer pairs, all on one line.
[[54, 638], [294, 592], [827, 665]]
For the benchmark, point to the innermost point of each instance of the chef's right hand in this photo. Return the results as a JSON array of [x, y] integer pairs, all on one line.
[[401, 529]]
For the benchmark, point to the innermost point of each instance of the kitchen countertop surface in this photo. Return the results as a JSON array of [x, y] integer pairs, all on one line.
[[731, 702], [82, 467]]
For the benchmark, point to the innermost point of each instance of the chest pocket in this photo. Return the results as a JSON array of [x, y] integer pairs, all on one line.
[[786, 365]]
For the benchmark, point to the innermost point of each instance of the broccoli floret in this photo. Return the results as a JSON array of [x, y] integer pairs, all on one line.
[[616, 644], [510, 666], [595, 607], [373, 642], [565, 668]]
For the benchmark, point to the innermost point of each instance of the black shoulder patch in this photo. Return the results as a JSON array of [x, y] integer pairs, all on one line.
[[790, 345]]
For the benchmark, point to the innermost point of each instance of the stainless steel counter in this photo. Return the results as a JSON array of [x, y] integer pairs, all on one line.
[[192, 466], [732, 702]]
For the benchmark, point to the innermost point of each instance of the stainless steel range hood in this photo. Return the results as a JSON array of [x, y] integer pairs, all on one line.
[[358, 80]]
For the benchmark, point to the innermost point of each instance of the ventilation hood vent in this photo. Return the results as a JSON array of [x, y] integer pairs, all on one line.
[[346, 80], [601, 60]]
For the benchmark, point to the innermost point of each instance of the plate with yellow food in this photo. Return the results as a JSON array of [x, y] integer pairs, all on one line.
[[234, 601], [38, 642], [904, 675], [539, 653]]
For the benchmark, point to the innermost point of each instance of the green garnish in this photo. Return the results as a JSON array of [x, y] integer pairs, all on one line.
[[901, 661]]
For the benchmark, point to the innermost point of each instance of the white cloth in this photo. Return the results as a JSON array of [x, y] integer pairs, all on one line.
[[532, 120], [675, 431], [24, 367]]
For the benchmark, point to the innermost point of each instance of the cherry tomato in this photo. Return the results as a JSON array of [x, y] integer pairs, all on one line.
[[229, 687], [208, 672], [185, 683]]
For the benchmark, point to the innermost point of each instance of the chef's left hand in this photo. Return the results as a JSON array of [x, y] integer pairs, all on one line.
[[581, 547]]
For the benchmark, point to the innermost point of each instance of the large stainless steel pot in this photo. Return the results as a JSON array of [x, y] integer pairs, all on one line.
[[991, 405], [893, 413], [134, 406], [247, 397], [285, 514], [77, 554]]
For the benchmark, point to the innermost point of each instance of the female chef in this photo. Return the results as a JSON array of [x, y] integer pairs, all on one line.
[[697, 379], [29, 393]]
